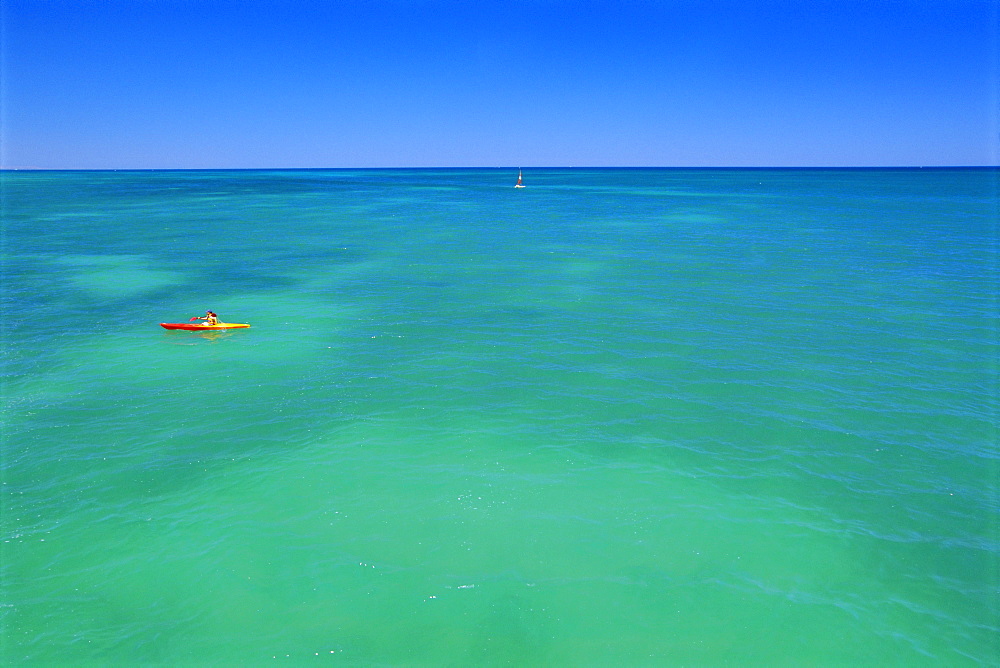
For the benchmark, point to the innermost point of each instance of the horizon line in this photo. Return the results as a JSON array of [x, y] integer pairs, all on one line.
[[481, 167]]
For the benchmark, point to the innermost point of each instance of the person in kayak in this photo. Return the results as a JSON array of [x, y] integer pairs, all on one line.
[[210, 318]]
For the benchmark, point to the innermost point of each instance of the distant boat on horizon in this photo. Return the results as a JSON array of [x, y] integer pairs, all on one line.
[[518, 184]]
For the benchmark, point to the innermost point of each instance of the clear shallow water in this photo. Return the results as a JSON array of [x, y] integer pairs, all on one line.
[[619, 417]]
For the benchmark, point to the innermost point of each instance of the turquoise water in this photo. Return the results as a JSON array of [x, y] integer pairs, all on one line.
[[618, 417]]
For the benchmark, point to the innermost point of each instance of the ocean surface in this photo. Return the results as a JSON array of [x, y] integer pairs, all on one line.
[[621, 417]]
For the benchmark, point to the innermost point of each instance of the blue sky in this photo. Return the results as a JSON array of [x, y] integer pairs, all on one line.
[[394, 83]]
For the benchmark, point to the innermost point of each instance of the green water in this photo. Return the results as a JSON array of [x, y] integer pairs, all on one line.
[[619, 417]]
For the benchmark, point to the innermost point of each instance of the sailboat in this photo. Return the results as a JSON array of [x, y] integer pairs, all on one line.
[[518, 184]]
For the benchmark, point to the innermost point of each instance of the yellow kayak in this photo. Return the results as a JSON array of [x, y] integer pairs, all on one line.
[[191, 326]]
